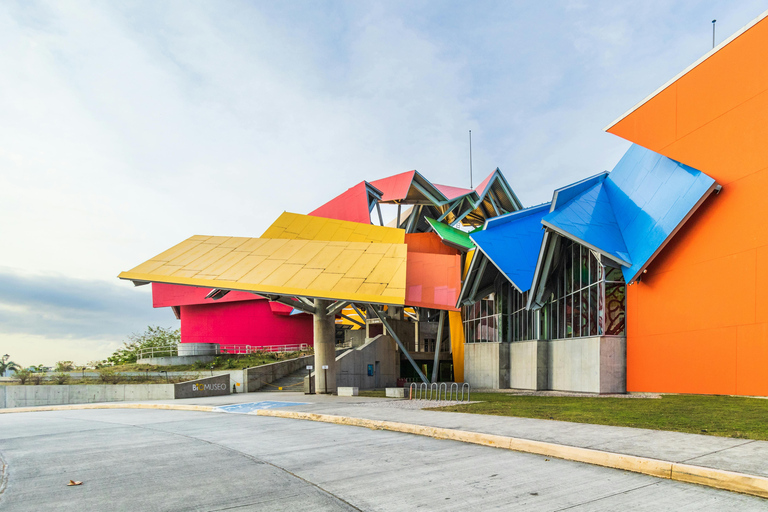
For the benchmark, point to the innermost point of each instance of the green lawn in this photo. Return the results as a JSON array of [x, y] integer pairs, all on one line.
[[725, 416]]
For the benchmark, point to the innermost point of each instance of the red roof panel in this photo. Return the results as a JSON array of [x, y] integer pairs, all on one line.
[[395, 188], [352, 205]]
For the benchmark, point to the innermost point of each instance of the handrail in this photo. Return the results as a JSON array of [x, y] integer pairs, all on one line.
[[217, 349]]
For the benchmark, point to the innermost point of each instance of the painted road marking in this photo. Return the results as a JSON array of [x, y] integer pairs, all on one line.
[[255, 406]]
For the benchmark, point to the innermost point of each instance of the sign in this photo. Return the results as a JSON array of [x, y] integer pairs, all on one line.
[[325, 367], [370, 370], [208, 386], [309, 367]]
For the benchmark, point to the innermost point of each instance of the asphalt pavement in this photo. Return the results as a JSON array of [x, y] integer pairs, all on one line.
[[179, 460]]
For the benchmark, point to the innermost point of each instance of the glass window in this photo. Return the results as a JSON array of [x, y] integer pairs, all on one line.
[[615, 308], [588, 298]]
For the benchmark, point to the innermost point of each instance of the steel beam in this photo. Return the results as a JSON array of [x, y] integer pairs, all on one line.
[[216, 294], [436, 364], [352, 320], [298, 304], [336, 307], [363, 316], [450, 209], [400, 344]]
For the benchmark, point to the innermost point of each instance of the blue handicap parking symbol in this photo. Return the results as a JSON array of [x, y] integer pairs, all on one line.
[[255, 406]]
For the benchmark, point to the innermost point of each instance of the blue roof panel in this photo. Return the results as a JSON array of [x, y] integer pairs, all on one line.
[[589, 218], [512, 243], [563, 195], [651, 196]]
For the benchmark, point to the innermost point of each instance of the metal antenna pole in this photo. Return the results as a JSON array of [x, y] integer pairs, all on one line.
[[470, 158], [713, 33]]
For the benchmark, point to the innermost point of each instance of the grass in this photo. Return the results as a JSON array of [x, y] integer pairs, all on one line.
[[222, 362], [726, 416]]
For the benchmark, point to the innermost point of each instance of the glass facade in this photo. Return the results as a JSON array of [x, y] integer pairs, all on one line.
[[501, 316], [588, 298]]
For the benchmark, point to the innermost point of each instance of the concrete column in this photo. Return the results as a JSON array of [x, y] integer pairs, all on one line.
[[325, 347]]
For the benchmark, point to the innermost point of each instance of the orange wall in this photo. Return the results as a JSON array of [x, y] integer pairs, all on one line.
[[698, 321]]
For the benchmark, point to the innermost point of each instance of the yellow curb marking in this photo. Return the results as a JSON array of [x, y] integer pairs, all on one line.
[[721, 479]]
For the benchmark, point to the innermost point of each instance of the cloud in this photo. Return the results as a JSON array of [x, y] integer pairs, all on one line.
[[65, 308], [128, 127]]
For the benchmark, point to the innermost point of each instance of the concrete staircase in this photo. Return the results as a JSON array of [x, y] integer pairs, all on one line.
[[292, 382]]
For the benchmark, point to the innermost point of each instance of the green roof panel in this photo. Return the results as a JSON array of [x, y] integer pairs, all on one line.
[[451, 236]]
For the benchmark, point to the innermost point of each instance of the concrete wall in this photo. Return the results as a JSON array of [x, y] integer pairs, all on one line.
[[529, 364], [353, 364], [175, 360], [487, 365], [356, 338], [590, 365], [198, 349], [259, 376], [217, 385], [28, 396]]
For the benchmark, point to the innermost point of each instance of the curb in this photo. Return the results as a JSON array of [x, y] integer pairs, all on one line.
[[717, 478], [75, 407]]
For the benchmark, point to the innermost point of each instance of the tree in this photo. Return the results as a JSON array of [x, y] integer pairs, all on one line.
[[164, 340], [6, 364]]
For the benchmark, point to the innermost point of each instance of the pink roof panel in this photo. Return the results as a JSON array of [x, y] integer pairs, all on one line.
[[452, 193]]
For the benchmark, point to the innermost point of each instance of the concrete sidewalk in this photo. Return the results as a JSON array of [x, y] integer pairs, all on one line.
[[739, 455], [719, 453]]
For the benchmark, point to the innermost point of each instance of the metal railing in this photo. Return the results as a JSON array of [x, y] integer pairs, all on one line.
[[433, 391], [213, 349]]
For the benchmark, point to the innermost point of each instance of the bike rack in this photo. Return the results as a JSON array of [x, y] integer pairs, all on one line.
[[433, 391], [465, 385], [455, 386]]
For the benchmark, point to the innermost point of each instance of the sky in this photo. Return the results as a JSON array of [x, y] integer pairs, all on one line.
[[126, 127]]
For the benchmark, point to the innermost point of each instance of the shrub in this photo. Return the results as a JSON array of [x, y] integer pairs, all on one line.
[[108, 376], [61, 378], [23, 376], [199, 365]]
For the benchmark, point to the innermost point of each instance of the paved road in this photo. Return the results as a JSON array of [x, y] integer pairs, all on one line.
[[177, 460]]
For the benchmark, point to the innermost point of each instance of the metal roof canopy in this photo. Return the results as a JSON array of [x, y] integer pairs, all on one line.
[[512, 243], [368, 272], [306, 227], [355, 205], [409, 188], [628, 215], [451, 236]]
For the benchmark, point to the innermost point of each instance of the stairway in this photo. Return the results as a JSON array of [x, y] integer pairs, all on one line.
[[293, 382]]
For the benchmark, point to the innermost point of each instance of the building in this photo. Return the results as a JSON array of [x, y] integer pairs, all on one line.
[[652, 277]]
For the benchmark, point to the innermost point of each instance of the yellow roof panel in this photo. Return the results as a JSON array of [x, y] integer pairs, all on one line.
[[293, 226], [343, 270]]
